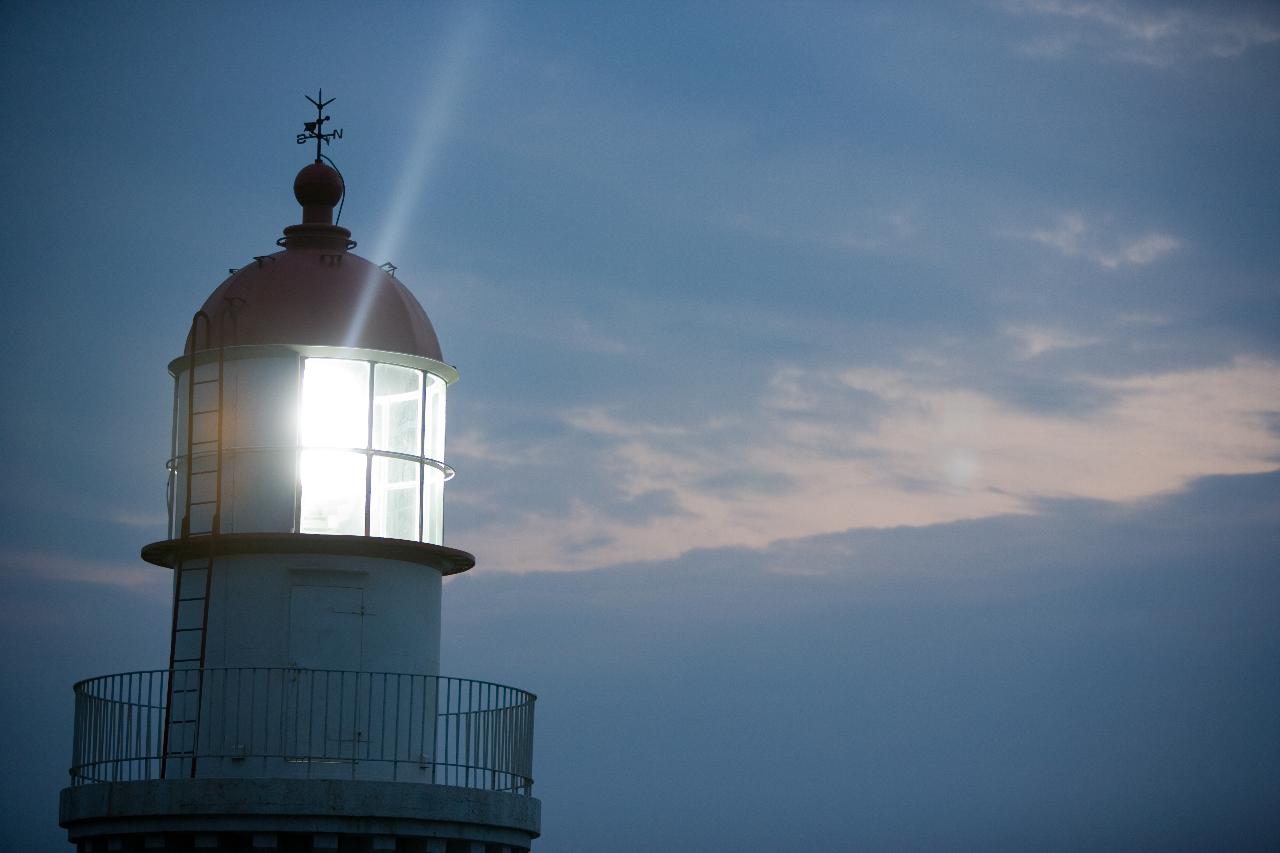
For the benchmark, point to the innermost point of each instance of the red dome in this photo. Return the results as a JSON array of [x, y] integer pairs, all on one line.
[[316, 293]]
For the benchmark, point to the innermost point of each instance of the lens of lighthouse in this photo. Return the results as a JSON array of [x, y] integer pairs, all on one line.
[[363, 449]]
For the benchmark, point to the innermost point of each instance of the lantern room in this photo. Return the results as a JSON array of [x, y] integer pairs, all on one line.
[[317, 380]]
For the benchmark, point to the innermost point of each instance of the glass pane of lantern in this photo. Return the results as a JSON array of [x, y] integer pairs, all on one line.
[[434, 448], [393, 496], [397, 409], [335, 403], [432, 505], [332, 492]]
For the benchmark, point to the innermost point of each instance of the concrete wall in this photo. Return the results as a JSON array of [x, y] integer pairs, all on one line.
[[320, 611], [132, 814]]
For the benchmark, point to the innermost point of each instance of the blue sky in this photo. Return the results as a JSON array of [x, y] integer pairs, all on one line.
[[869, 421]]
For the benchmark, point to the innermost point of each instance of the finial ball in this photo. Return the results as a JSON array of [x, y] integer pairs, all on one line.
[[318, 184]]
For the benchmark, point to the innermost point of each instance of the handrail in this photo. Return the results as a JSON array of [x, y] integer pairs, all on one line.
[[280, 722], [173, 462]]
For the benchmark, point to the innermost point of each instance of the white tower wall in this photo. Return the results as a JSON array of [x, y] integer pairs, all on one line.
[[326, 612]]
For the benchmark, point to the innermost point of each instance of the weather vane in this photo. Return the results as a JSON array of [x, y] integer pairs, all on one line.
[[315, 129]]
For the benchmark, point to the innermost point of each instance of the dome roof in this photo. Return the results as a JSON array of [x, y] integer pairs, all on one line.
[[316, 292]]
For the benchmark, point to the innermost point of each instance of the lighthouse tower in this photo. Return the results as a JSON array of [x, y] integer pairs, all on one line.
[[303, 706]]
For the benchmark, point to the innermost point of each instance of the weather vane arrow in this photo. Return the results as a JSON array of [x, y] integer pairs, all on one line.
[[315, 129]]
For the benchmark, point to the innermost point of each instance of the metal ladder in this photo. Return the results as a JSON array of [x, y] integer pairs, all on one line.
[[193, 574]]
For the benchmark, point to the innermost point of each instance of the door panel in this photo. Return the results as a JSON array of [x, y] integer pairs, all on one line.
[[326, 627]]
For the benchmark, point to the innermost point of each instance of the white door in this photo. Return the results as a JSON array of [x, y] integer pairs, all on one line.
[[326, 627], [326, 633]]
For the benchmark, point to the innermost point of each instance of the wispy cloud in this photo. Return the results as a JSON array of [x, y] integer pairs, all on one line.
[[60, 567], [587, 337], [1074, 236], [599, 421], [1037, 340], [856, 231], [138, 518], [1136, 33], [930, 452]]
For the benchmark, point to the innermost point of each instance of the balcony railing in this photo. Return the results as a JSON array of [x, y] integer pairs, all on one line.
[[255, 722]]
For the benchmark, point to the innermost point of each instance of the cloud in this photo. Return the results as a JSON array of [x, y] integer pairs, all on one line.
[[1036, 340], [827, 451], [1139, 252], [58, 567], [857, 231], [1022, 674], [1160, 432], [138, 518], [1073, 236], [584, 336], [1129, 32], [599, 421]]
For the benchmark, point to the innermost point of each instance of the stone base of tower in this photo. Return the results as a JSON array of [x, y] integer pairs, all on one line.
[[290, 815]]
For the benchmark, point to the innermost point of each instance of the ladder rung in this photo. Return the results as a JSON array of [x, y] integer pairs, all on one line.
[[205, 381], [203, 503], [204, 412], [181, 630], [193, 598]]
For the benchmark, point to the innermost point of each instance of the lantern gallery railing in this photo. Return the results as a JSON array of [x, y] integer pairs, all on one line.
[[299, 723]]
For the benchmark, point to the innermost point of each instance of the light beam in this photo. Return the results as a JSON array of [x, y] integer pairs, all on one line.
[[435, 118]]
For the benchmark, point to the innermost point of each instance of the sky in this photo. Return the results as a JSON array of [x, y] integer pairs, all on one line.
[[869, 418]]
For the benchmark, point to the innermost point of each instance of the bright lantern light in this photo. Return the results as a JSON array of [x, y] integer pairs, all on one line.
[[332, 491], [335, 403], [361, 457], [335, 414]]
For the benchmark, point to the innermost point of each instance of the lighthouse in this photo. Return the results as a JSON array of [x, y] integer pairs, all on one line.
[[303, 707]]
